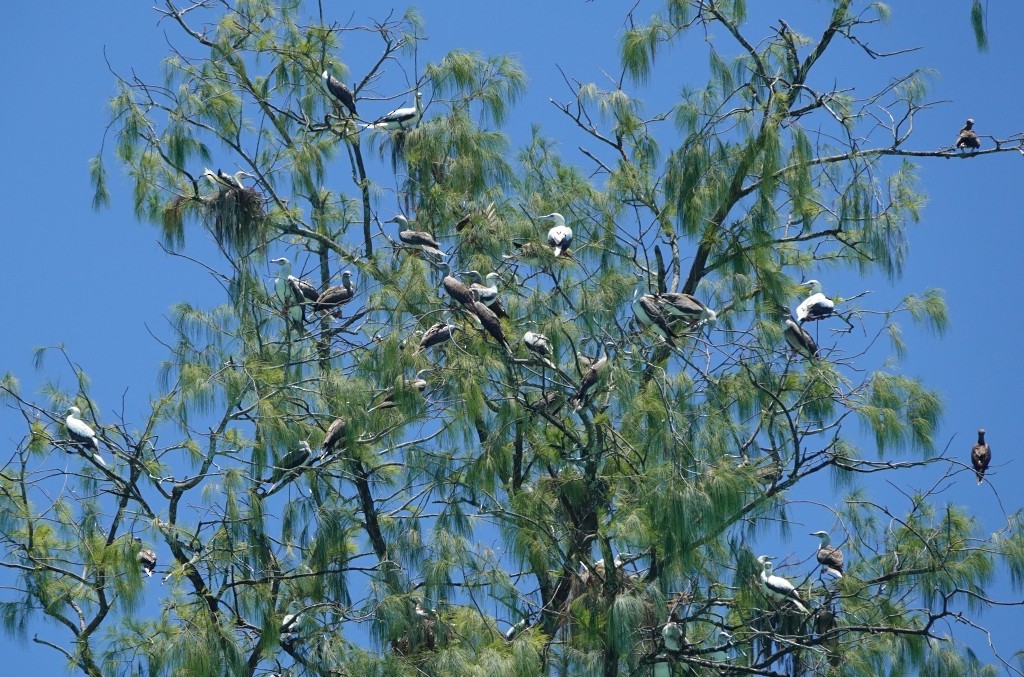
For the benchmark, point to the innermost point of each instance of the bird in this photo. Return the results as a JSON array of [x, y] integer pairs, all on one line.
[[981, 456], [829, 556], [416, 384], [489, 320], [147, 558], [686, 308], [550, 403], [289, 293], [537, 343], [340, 92], [289, 629], [777, 586], [674, 634], [517, 629], [436, 335], [334, 435], [560, 235], [224, 181], [83, 434], [401, 118], [456, 288], [968, 138], [488, 294], [333, 298], [648, 313], [590, 380], [799, 340], [294, 459], [817, 306], [416, 238]]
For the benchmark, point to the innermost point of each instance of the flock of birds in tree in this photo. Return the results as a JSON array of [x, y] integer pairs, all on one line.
[[670, 315]]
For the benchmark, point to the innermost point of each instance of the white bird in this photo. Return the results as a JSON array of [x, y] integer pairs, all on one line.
[[488, 294], [560, 235], [339, 91], [83, 434], [289, 629], [799, 340], [416, 238], [537, 343], [673, 633], [147, 558], [401, 118], [222, 180], [829, 556], [777, 586], [294, 459], [817, 306], [289, 292], [516, 629]]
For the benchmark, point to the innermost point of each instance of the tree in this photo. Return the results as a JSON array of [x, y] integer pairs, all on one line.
[[627, 469]]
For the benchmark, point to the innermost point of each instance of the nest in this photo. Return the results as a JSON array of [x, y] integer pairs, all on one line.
[[237, 218]]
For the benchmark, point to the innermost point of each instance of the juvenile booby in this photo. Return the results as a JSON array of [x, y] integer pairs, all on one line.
[[981, 456], [401, 118], [436, 335], [968, 138], [817, 306], [589, 381], [488, 292], [289, 293], [416, 238], [456, 288], [294, 459], [147, 558], [648, 313], [334, 298], [560, 235], [829, 556], [799, 340], [687, 309], [489, 321], [334, 435], [339, 91], [82, 434], [537, 343], [777, 586]]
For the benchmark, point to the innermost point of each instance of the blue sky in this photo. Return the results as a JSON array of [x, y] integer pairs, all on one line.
[[100, 285]]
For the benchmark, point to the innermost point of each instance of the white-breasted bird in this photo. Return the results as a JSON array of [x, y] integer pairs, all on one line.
[[82, 434], [816, 306], [147, 559], [981, 456], [401, 118], [339, 91], [537, 343], [560, 235], [829, 556], [488, 292], [289, 291], [777, 586], [416, 238], [649, 313], [799, 340], [437, 334]]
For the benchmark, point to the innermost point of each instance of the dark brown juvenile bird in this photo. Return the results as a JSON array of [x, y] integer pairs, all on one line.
[[968, 137]]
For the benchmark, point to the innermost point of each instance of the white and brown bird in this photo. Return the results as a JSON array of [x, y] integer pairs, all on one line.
[[339, 91], [590, 380], [334, 436], [489, 320], [968, 138], [401, 118], [777, 586], [816, 306], [488, 292], [560, 235], [82, 434], [981, 456], [537, 343], [147, 559], [333, 298], [829, 556], [416, 238], [437, 334], [686, 309], [799, 340], [649, 313]]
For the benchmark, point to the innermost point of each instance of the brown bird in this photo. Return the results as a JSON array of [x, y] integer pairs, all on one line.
[[334, 297], [335, 435], [829, 556], [968, 137], [147, 558], [981, 456]]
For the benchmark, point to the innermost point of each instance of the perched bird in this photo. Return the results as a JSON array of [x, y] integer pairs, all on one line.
[[981, 456], [817, 306], [339, 91], [968, 138], [517, 629], [799, 340], [829, 556], [147, 558], [82, 434], [294, 459], [560, 235], [777, 586], [436, 335], [649, 313], [224, 181], [290, 293], [416, 238], [489, 320], [334, 435], [456, 288], [550, 403], [674, 634], [593, 376], [416, 384], [401, 118], [686, 308], [537, 343], [333, 298], [289, 629], [488, 294]]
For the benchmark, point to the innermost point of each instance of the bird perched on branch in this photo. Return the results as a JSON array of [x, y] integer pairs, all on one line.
[[436, 335], [146, 558], [82, 434], [401, 118], [560, 235], [777, 586], [981, 456], [799, 340], [815, 307], [829, 556], [968, 138], [333, 298], [340, 92], [488, 292], [417, 238]]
